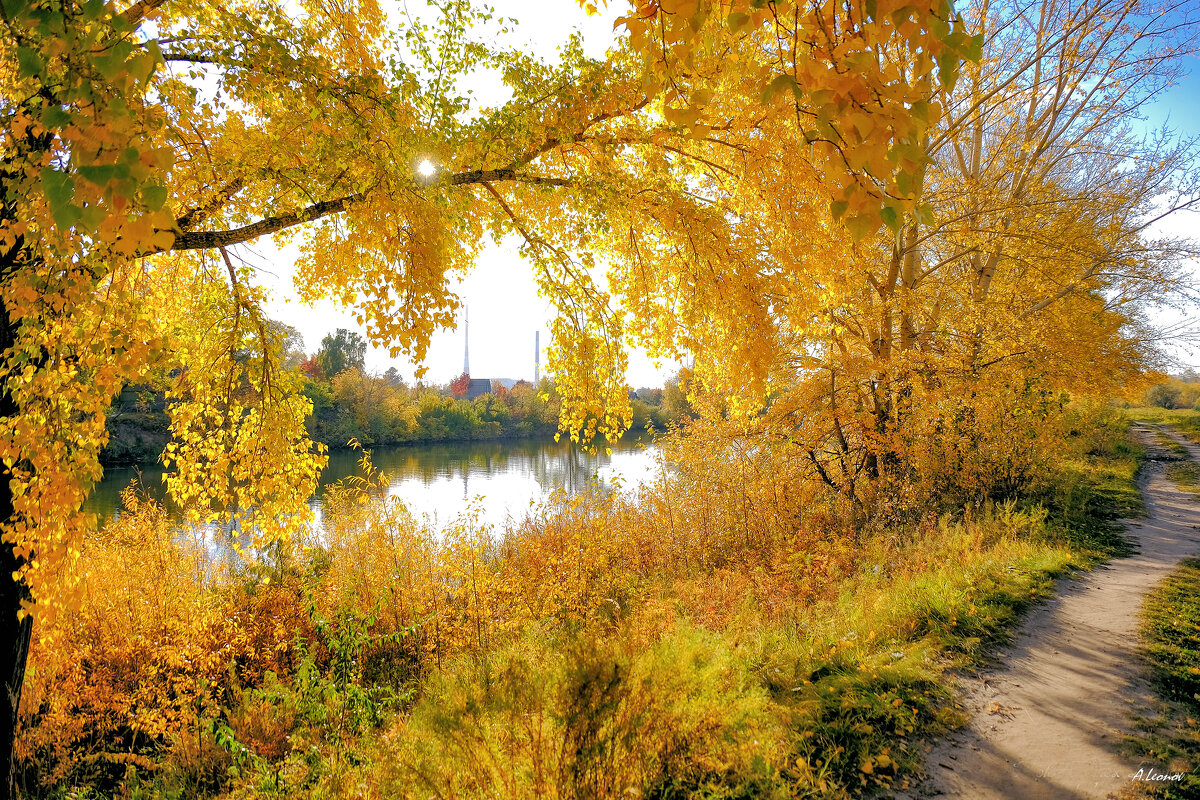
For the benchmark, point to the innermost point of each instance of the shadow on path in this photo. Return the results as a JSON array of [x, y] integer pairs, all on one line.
[[1046, 723]]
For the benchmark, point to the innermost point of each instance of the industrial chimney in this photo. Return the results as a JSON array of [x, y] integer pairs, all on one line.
[[537, 357], [466, 340]]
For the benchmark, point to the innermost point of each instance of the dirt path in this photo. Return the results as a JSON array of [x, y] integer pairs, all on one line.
[[1047, 721]]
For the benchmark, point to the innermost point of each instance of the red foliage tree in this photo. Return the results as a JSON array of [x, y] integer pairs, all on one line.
[[312, 369], [458, 386]]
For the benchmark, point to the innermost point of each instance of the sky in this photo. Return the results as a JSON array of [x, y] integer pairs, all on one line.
[[1179, 108], [500, 295]]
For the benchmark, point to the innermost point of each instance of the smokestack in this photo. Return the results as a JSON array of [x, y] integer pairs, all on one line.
[[466, 340], [537, 357]]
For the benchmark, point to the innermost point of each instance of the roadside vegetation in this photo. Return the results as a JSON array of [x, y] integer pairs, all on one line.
[[1174, 401], [1182, 470], [1171, 635], [706, 636]]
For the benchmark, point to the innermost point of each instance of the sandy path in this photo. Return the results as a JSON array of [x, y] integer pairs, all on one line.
[[1047, 720]]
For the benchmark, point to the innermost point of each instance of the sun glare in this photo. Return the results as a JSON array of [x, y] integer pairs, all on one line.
[[426, 168]]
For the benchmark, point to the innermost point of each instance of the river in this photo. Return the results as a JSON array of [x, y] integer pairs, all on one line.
[[437, 480]]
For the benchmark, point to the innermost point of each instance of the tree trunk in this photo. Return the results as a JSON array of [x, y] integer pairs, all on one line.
[[14, 634]]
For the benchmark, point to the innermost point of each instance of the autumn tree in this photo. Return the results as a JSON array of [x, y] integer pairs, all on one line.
[[143, 143], [291, 354], [458, 386], [1033, 267], [1007, 254]]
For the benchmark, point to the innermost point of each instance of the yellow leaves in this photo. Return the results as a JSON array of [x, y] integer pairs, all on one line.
[[847, 89]]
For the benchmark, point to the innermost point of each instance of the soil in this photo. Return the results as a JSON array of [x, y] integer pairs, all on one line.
[[1048, 720]]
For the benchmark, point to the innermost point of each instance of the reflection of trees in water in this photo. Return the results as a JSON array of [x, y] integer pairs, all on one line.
[[105, 498], [552, 465]]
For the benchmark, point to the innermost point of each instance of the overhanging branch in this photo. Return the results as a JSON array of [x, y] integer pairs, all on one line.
[[205, 240]]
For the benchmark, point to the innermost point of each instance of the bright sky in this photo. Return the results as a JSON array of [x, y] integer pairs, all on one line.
[[505, 309], [1179, 109]]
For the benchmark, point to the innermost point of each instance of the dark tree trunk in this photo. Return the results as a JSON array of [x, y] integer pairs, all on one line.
[[14, 634]]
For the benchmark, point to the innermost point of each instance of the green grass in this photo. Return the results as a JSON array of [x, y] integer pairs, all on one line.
[[1186, 421], [1171, 634], [1088, 498], [1185, 475], [1171, 449]]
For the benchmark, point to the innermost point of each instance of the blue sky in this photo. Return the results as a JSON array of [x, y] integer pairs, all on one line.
[[1179, 108]]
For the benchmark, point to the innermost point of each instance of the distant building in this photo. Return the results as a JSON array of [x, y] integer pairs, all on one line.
[[481, 386], [478, 387]]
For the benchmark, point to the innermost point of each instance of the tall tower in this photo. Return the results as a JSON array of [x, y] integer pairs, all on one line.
[[466, 340], [537, 357]]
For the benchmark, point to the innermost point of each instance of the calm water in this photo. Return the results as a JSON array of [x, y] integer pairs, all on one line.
[[438, 480]]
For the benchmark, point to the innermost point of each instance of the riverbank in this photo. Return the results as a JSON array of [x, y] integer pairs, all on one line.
[[377, 412], [688, 639]]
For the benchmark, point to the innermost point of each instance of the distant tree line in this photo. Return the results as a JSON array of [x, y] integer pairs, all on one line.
[[350, 403], [1177, 392]]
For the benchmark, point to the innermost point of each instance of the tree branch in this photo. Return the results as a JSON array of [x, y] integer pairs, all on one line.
[[138, 11], [200, 213], [204, 240]]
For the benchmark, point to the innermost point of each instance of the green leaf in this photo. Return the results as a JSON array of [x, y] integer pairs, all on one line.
[[55, 117], [862, 225], [821, 97], [947, 70], [737, 21], [838, 208], [99, 174], [109, 65], [779, 84], [890, 217], [92, 10], [66, 215], [90, 217], [974, 50], [153, 197], [29, 62], [58, 187]]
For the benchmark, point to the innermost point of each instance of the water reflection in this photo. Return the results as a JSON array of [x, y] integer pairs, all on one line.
[[437, 480]]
